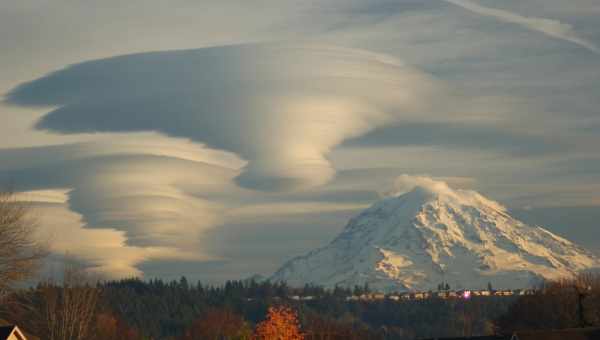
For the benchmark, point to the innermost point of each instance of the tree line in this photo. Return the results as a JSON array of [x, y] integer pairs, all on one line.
[[154, 309]]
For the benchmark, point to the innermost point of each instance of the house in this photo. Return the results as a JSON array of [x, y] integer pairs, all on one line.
[[377, 296], [442, 295], [505, 293], [419, 296], [562, 334], [9, 331]]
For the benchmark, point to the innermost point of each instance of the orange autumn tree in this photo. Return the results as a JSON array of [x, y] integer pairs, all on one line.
[[281, 324]]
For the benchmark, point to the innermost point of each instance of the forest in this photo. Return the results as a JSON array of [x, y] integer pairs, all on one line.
[[169, 310], [180, 310]]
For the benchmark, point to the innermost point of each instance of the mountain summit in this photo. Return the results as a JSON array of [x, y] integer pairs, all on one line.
[[434, 234]]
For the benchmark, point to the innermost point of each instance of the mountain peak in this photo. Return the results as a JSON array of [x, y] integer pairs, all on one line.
[[442, 194], [427, 233]]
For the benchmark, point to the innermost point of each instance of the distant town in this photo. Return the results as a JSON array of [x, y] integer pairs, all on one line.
[[410, 296]]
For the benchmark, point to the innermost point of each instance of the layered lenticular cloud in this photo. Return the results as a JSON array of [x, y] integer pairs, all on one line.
[[102, 250], [260, 116], [114, 204], [280, 107]]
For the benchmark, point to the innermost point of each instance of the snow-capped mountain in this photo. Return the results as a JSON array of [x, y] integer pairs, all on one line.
[[435, 234]]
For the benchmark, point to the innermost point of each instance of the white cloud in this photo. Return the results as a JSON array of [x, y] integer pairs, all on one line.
[[552, 28], [102, 250], [281, 107], [439, 186], [114, 204], [405, 183]]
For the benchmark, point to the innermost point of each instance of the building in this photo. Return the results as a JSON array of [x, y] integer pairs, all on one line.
[[377, 296], [442, 295], [419, 296], [504, 293], [11, 332]]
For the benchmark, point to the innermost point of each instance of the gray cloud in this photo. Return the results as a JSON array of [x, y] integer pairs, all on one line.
[[461, 135], [577, 223], [581, 167], [281, 107], [552, 28], [262, 245]]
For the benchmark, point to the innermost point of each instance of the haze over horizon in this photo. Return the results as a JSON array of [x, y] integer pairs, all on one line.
[[218, 139]]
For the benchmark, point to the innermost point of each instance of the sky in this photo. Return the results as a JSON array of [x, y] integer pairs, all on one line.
[[219, 139]]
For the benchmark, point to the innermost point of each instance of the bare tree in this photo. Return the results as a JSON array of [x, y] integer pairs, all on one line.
[[20, 253], [62, 308], [564, 303], [69, 309]]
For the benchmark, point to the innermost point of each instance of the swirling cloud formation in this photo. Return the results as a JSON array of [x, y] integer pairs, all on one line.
[[114, 204], [280, 107]]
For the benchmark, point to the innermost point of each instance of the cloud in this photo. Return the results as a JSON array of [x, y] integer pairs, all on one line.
[[282, 108], [462, 135], [115, 204], [405, 183], [439, 186], [102, 250], [125, 204], [552, 28], [541, 101]]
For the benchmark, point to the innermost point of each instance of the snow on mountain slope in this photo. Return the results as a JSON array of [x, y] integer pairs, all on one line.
[[434, 234]]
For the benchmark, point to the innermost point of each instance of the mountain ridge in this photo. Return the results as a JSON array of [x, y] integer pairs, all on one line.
[[433, 234]]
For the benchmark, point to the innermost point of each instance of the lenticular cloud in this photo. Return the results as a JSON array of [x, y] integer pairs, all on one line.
[[280, 107]]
